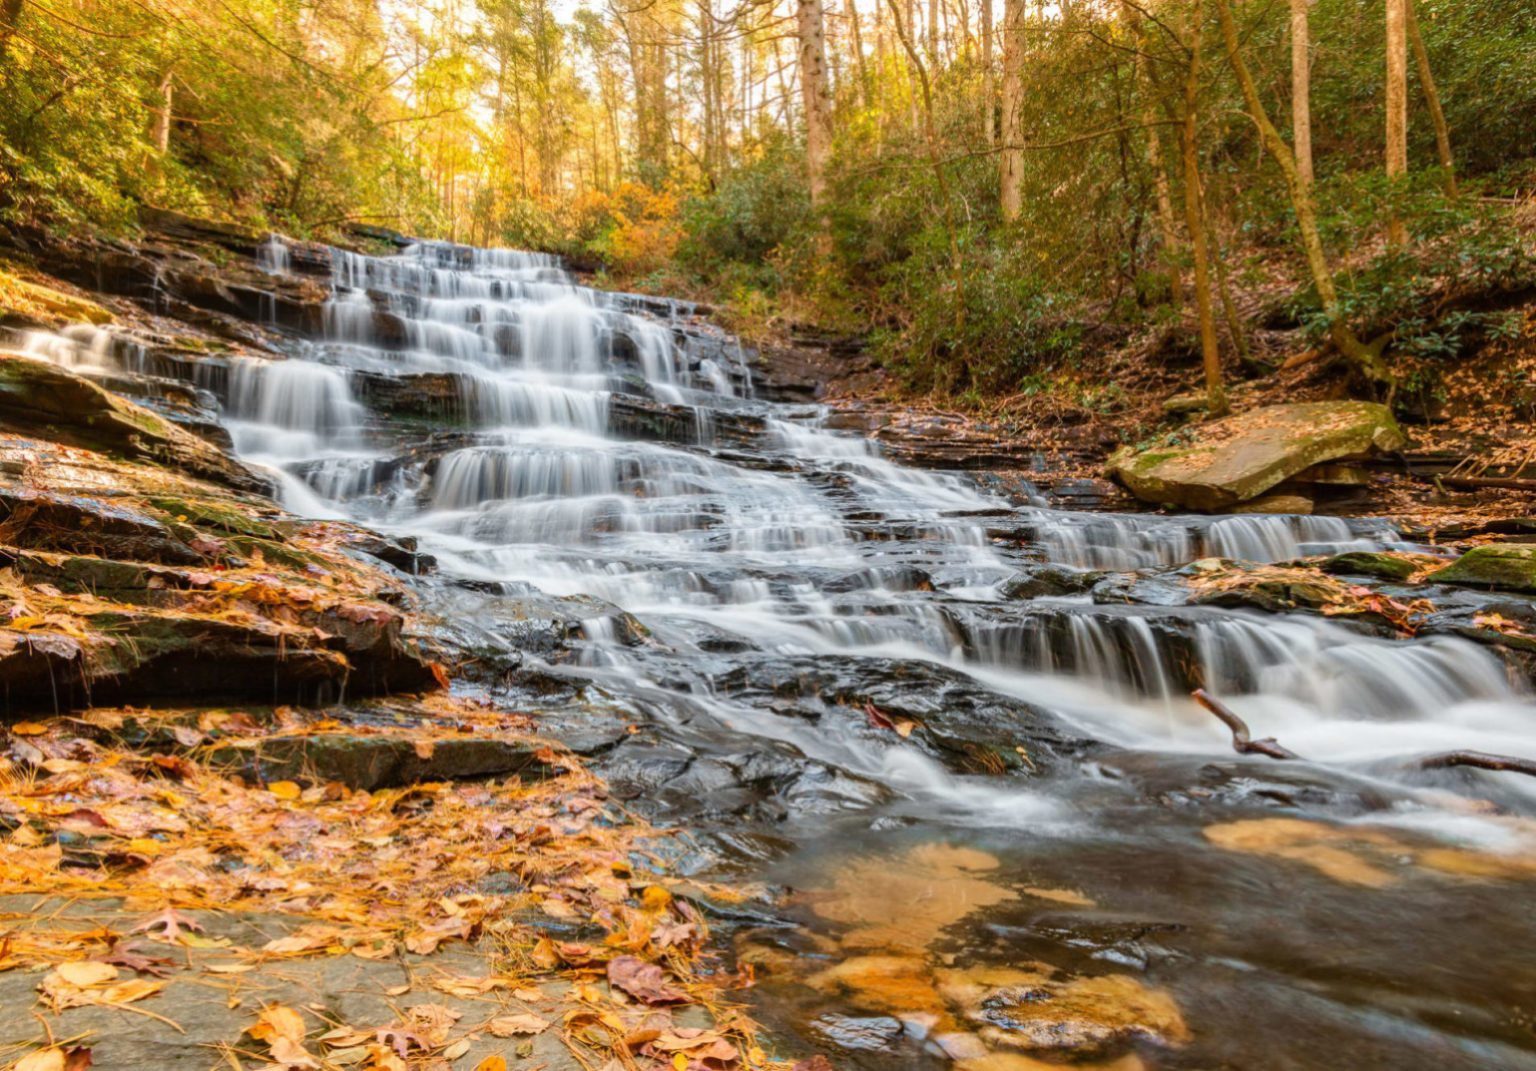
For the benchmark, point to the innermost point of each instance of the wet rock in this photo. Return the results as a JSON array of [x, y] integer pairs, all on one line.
[[46, 400], [955, 720], [869, 1033], [92, 526], [1502, 566], [374, 762], [1367, 563], [1050, 579], [1277, 503], [1035, 1010], [1241, 457], [1270, 595]]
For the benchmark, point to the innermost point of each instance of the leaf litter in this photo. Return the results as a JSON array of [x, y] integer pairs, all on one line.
[[367, 874]]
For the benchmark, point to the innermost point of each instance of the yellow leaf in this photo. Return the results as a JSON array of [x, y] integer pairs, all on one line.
[[492, 1063], [28, 728], [506, 1026], [680, 1061], [51, 1059], [284, 790], [86, 973], [457, 1049]]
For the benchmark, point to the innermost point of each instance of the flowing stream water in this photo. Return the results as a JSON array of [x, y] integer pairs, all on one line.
[[819, 661]]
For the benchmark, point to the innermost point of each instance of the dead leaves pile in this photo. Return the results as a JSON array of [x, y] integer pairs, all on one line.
[[374, 875], [1331, 596]]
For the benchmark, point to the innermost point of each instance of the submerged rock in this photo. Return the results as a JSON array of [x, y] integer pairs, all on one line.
[[1241, 457]]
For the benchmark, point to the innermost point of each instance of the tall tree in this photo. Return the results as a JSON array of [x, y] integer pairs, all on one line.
[[815, 96], [1301, 89], [1010, 160], [1397, 111], [1432, 98], [1365, 359], [1194, 214]]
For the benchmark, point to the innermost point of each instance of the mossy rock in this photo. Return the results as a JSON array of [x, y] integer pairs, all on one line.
[[1368, 563], [1239, 458], [1503, 566], [51, 402], [35, 302], [215, 518]]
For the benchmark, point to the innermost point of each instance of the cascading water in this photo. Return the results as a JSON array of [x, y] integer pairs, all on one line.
[[820, 547], [777, 622]]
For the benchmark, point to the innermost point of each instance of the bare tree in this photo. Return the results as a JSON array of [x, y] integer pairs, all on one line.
[[1010, 162], [1432, 98], [1397, 110], [1301, 90]]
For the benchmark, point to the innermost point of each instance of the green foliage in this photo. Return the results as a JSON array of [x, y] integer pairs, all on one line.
[[1010, 324], [264, 127], [756, 209]]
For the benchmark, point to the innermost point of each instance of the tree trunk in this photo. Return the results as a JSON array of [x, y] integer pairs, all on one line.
[[858, 54], [1366, 360], [816, 101], [1010, 162], [1397, 112], [1194, 218], [10, 18], [1301, 90], [1161, 187], [163, 114], [936, 162], [1432, 98], [988, 87]]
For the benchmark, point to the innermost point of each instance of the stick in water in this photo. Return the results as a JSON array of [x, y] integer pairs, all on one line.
[[1242, 742], [1482, 760]]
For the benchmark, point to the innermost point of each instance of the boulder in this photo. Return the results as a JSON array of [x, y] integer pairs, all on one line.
[[1369, 563], [1239, 458], [1506, 566]]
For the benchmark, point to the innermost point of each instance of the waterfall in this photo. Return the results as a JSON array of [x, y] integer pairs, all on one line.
[[810, 544]]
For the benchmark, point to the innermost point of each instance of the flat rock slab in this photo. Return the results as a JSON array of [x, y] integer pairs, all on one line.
[[1239, 458], [373, 762], [202, 1012]]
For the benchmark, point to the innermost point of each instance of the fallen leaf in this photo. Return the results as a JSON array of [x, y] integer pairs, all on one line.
[[86, 973], [29, 728], [457, 1049], [285, 790], [425, 749], [506, 1026], [643, 981], [127, 955], [492, 1063], [170, 922], [50, 1059]]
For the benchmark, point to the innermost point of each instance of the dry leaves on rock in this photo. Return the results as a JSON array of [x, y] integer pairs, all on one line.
[[283, 1030], [82, 982], [643, 981]]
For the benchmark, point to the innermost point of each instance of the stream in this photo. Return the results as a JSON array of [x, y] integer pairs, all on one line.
[[998, 828]]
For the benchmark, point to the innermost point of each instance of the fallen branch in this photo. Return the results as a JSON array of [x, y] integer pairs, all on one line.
[[1242, 742], [1482, 760], [1477, 482]]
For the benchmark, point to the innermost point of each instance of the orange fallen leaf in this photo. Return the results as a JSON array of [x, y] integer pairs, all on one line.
[[285, 790]]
